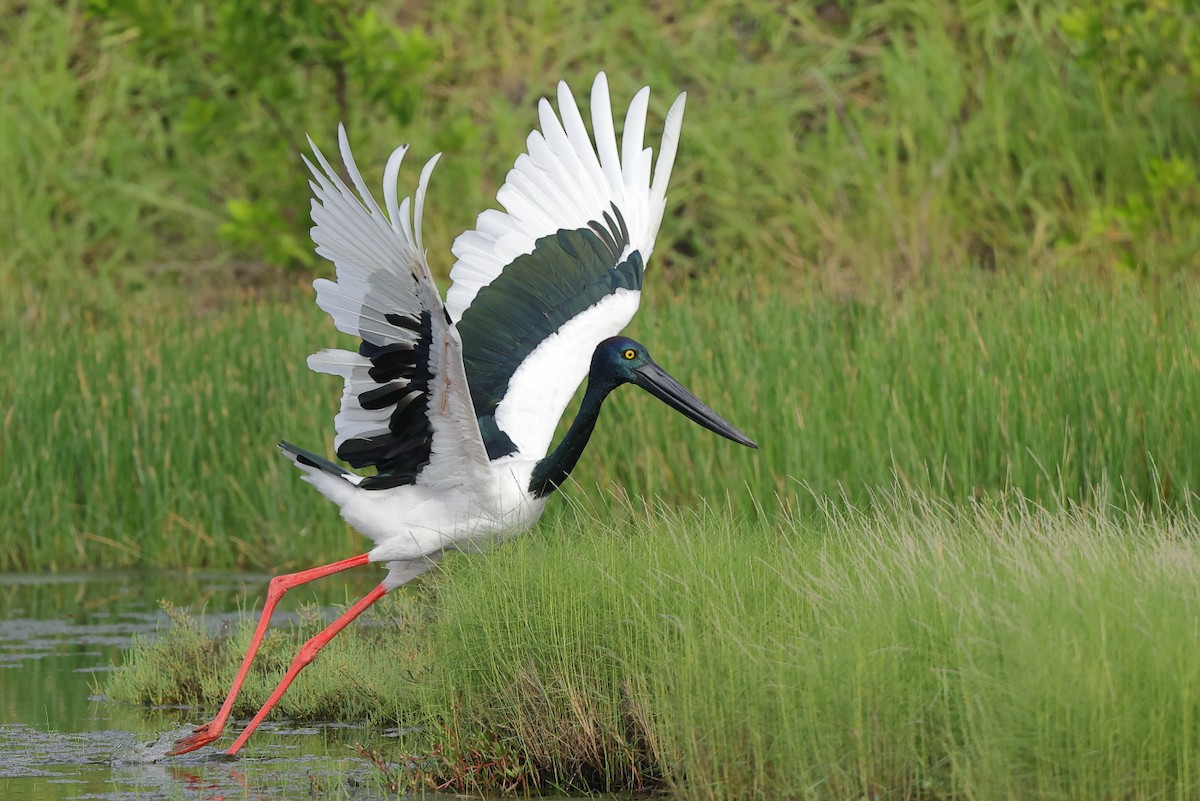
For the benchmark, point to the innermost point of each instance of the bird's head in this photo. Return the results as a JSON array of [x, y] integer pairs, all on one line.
[[621, 360], [617, 360]]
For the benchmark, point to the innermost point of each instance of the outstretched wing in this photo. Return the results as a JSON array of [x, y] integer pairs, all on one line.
[[406, 409], [536, 287]]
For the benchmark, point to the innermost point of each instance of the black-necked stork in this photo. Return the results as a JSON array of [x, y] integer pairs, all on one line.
[[454, 404]]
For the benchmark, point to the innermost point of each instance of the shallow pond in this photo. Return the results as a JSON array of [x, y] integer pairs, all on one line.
[[60, 739]]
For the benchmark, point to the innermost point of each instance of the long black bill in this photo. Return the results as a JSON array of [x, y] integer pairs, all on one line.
[[659, 383]]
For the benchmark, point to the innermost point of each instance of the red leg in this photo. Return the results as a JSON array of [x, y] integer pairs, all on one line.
[[203, 735], [308, 652]]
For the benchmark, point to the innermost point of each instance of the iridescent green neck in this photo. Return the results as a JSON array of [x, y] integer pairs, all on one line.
[[550, 473]]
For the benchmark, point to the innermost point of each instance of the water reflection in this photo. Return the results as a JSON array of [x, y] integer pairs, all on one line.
[[59, 739]]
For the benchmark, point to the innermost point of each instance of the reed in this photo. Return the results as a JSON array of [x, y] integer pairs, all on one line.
[[915, 650], [149, 440]]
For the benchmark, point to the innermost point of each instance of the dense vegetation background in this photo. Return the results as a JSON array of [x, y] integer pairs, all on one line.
[[946, 245]]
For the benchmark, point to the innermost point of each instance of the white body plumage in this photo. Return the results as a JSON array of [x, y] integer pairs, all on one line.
[[413, 525]]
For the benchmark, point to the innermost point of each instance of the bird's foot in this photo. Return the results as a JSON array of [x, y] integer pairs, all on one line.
[[200, 737]]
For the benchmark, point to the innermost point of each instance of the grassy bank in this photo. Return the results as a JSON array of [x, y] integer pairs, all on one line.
[[150, 439], [917, 650]]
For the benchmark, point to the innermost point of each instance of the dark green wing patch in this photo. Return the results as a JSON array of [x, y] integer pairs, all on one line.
[[566, 273]]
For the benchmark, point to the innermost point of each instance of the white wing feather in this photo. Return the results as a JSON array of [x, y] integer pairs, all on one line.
[[566, 181], [382, 270]]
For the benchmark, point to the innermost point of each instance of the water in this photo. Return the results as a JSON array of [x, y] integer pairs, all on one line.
[[60, 739]]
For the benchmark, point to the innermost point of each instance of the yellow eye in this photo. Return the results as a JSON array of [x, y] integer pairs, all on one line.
[[629, 353]]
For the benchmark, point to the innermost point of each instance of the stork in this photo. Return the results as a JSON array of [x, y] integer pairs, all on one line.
[[454, 404]]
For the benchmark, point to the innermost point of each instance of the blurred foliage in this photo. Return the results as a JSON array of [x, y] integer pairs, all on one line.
[[1136, 50], [1138, 44], [1166, 212], [234, 67], [858, 147]]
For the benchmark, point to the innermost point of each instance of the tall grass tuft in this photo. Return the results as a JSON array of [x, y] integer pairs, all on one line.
[[918, 650]]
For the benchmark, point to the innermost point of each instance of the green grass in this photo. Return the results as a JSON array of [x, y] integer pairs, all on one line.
[[376, 673], [924, 245], [151, 440], [924, 651], [914, 650]]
